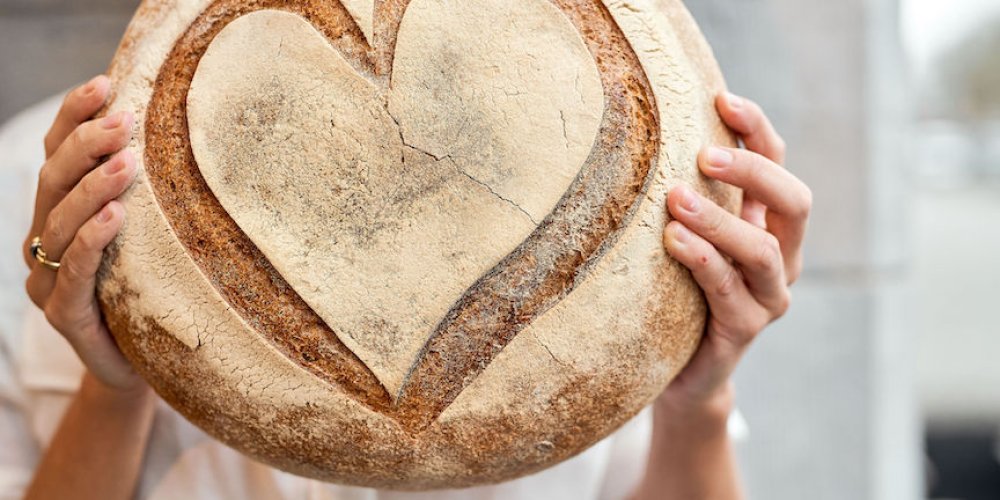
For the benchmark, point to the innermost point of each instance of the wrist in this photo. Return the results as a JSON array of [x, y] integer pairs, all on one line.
[[691, 454], [95, 393], [676, 408]]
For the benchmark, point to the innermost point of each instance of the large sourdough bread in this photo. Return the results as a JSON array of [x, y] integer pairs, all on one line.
[[409, 244]]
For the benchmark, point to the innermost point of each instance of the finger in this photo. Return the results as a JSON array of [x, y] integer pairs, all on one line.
[[72, 307], [756, 252], [733, 307], [788, 199], [95, 190], [85, 147], [77, 275], [754, 211], [762, 178], [78, 106], [41, 280], [789, 231], [748, 119], [77, 156]]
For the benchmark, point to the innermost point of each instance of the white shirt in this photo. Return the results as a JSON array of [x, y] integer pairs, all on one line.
[[40, 373]]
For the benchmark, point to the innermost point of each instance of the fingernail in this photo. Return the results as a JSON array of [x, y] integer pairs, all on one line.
[[105, 214], [112, 121], [688, 200], [734, 101], [679, 233], [91, 86], [116, 164], [718, 157]]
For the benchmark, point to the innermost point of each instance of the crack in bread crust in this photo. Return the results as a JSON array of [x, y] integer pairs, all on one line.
[[537, 275], [574, 236]]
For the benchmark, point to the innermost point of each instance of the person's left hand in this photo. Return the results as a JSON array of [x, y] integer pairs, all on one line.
[[745, 264]]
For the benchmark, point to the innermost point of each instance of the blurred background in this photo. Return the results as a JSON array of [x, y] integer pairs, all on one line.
[[883, 382]]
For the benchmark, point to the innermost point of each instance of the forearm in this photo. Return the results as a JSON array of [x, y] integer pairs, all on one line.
[[98, 450], [691, 456]]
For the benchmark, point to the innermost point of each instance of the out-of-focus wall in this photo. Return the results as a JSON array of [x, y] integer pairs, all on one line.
[[956, 181], [47, 46]]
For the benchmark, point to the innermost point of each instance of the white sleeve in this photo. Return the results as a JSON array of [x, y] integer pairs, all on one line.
[[22, 153], [627, 463], [18, 451]]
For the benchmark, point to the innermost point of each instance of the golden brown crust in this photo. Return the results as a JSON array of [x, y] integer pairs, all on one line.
[[603, 233], [540, 272]]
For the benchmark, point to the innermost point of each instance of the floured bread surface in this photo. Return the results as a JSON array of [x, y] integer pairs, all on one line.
[[362, 12], [409, 244], [381, 227]]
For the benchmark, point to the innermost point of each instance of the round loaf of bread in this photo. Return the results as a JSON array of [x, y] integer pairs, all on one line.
[[409, 244]]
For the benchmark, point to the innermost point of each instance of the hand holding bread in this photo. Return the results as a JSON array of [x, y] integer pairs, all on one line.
[[745, 264], [76, 216]]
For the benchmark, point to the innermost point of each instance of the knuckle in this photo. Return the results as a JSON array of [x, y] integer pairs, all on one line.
[[728, 283], [75, 102], [50, 142], [715, 226], [805, 203], [55, 227], [109, 142], [795, 271], [47, 176], [79, 139], [85, 242], [780, 147], [89, 187], [80, 94], [782, 303], [68, 102], [71, 269], [758, 325], [72, 97], [102, 143], [94, 142], [768, 255], [756, 114], [89, 240]]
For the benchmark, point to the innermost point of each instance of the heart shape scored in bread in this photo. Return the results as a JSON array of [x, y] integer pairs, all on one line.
[[411, 193], [381, 210]]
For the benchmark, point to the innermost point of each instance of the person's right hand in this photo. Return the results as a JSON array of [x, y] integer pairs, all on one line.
[[76, 216]]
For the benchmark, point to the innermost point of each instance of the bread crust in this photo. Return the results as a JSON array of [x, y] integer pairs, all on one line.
[[600, 322]]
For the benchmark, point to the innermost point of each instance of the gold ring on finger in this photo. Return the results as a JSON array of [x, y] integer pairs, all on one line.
[[39, 254]]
